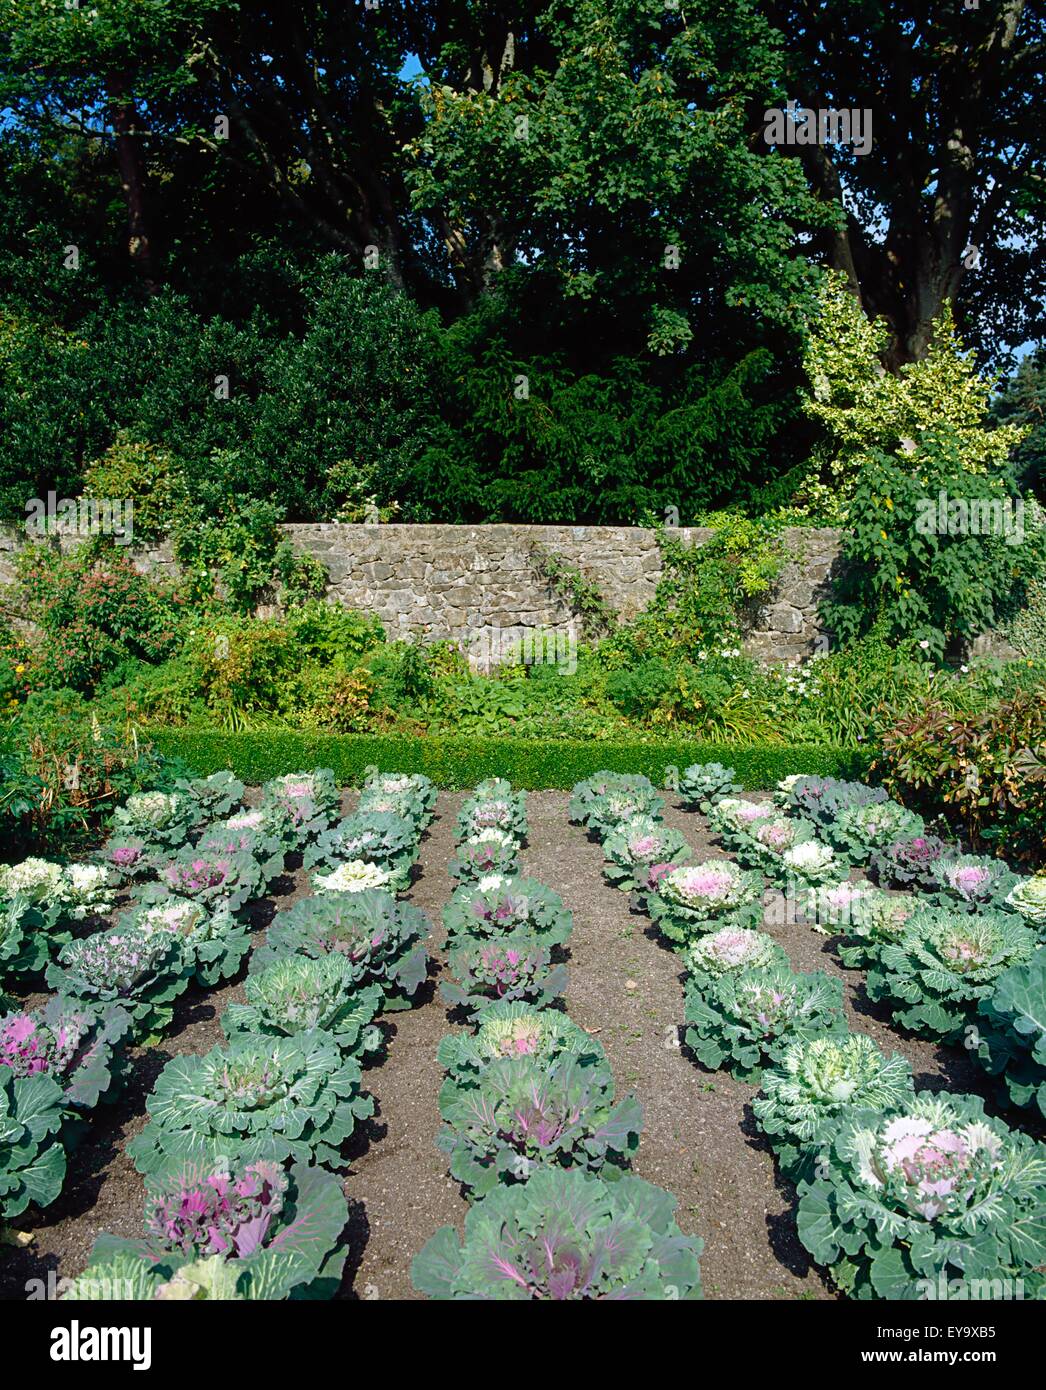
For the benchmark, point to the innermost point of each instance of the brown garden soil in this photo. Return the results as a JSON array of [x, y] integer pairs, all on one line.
[[698, 1140]]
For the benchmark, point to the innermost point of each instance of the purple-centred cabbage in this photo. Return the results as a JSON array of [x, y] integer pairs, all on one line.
[[144, 973], [864, 916], [564, 1236], [256, 1097], [908, 863], [298, 994], [858, 832], [734, 819], [523, 1114], [636, 847], [498, 904], [513, 968], [691, 899], [213, 940], [246, 1230], [931, 1200], [269, 851], [128, 857], [32, 1161], [210, 877], [973, 881], [493, 806], [310, 800], [515, 1030], [79, 1045], [769, 841], [491, 852]]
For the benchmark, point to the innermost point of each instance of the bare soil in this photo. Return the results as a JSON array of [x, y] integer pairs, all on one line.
[[699, 1140]]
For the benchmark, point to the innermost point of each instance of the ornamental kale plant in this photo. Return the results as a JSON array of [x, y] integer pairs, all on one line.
[[696, 898], [973, 881], [143, 973], [944, 963], [823, 799], [355, 876], [310, 800], [297, 994], [608, 813], [522, 1115], [27, 940], [745, 1021], [1028, 897], [515, 1030], [815, 1081], [415, 791], [704, 784], [128, 857], [517, 967], [808, 864], [211, 878], [212, 940], [586, 795], [257, 1097], [86, 892], [161, 819], [492, 852], [81, 1046], [859, 831], [908, 1200], [1013, 1034], [378, 837], [908, 863], [728, 951], [212, 798], [733, 819], [866, 917], [273, 1231], [32, 1161], [564, 1235], [493, 806], [637, 847], [768, 842], [500, 904], [379, 936], [269, 852]]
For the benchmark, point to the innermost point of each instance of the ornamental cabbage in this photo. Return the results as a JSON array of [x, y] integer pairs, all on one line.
[[143, 973], [413, 795], [213, 941], [703, 784], [86, 892], [944, 963], [27, 938], [747, 1020], [521, 1115], [34, 881], [257, 1097], [515, 1030], [380, 837], [355, 876], [379, 936], [296, 994], [493, 806], [906, 1201], [908, 863], [815, 1081], [272, 1230], [808, 863], [310, 800], [973, 881], [770, 839], [733, 819], [492, 852], [696, 898], [268, 851], [636, 847], [585, 794], [128, 857], [609, 812], [564, 1235], [79, 1045], [499, 904], [866, 917], [517, 967], [1013, 1036], [32, 1161], [210, 877], [212, 798], [1028, 897], [161, 819], [727, 952], [823, 799], [859, 831]]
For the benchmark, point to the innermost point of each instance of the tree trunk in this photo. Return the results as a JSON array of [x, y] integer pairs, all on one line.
[[131, 164]]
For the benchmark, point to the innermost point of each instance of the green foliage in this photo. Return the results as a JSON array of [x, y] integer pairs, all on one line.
[[147, 475]]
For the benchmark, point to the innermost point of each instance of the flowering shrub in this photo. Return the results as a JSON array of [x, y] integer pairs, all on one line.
[[513, 968], [745, 1021], [379, 837], [257, 1097], [310, 800], [415, 791], [499, 904], [162, 819], [908, 863], [933, 1191], [564, 1235], [859, 831], [211, 878], [212, 798], [727, 952], [492, 852], [270, 1231], [212, 941], [814, 1082], [1028, 897], [703, 784], [379, 936], [1013, 1035], [809, 863], [943, 963], [32, 1161], [79, 1045], [521, 1115], [696, 898], [514, 1030], [973, 881], [296, 994], [143, 973], [823, 799], [636, 847]]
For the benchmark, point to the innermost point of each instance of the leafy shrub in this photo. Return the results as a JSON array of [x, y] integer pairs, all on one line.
[[32, 1162], [943, 963], [249, 1230], [332, 634], [257, 1097], [145, 474], [497, 905], [522, 1115], [640, 851], [509, 1029], [142, 973], [703, 784], [745, 1021], [297, 994], [696, 898], [492, 852], [816, 1080], [1013, 1037], [564, 1235], [936, 1190], [213, 942], [515, 968], [380, 937]]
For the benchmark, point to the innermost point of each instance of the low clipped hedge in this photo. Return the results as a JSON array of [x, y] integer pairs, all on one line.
[[462, 762]]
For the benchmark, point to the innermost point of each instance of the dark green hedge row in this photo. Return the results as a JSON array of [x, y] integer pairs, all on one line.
[[462, 762]]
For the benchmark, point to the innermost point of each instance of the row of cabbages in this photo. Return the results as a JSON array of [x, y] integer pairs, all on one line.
[[531, 1125], [238, 1153], [900, 1192]]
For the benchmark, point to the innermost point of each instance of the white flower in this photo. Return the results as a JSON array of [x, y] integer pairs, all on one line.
[[925, 645], [354, 877]]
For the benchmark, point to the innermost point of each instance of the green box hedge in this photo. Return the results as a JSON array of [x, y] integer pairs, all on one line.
[[462, 762]]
